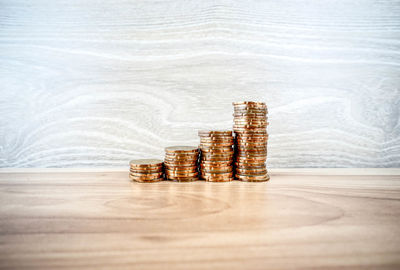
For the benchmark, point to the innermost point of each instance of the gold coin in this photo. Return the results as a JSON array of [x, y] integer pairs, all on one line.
[[251, 155], [250, 108], [204, 172], [181, 149], [215, 139], [212, 167], [254, 123], [248, 129], [170, 160], [182, 154], [146, 163], [183, 179], [249, 114], [181, 165], [145, 172], [246, 133], [145, 177], [248, 103], [247, 178], [248, 123], [247, 150], [217, 175], [255, 145], [218, 158], [251, 164], [221, 178], [251, 171], [250, 120], [215, 145], [176, 167], [211, 179], [178, 158], [180, 173], [261, 149], [148, 181], [215, 132], [252, 141], [249, 159], [146, 169], [216, 164], [240, 110], [217, 150]]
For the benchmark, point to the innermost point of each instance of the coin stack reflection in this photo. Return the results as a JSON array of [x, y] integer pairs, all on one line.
[[146, 170], [250, 127], [181, 163], [216, 156]]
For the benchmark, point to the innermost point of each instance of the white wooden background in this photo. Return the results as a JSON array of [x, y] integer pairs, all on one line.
[[97, 83]]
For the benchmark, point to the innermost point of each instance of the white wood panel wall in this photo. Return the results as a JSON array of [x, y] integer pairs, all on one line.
[[97, 83]]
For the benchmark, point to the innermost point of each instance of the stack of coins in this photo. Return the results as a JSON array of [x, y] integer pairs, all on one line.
[[181, 163], [216, 155], [146, 170], [250, 126]]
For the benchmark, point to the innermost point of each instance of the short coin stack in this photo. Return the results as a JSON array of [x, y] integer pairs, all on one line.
[[181, 163], [250, 126], [146, 170], [216, 155]]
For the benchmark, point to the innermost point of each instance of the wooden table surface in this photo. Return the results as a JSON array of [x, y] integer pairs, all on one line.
[[301, 219]]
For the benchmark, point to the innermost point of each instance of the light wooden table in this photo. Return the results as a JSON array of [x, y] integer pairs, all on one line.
[[301, 219]]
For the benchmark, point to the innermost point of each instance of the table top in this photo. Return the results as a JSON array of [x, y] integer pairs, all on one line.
[[303, 219]]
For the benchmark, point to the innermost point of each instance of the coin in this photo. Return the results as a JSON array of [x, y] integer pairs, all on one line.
[[216, 169], [216, 158], [216, 163], [183, 179], [216, 139], [147, 181], [181, 149], [252, 171], [246, 149], [215, 133], [217, 150], [135, 177], [250, 114], [253, 144], [241, 109], [249, 178], [215, 145], [219, 178], [217, 175], [249, 103], [147, 170], [250, 164], [146, 163], [181, 169], [251, 133], [180, 159]]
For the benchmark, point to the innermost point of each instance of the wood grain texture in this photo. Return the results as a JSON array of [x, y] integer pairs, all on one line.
[[86, 220], [97, 83]]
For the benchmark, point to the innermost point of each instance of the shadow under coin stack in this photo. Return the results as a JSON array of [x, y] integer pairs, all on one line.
[[146, 170], [216, 155], [181, 163], [250, 126]]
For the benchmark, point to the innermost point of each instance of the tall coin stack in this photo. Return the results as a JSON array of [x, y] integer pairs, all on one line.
[[250, 126], [181, 163], [216, 155], [146, 170]]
